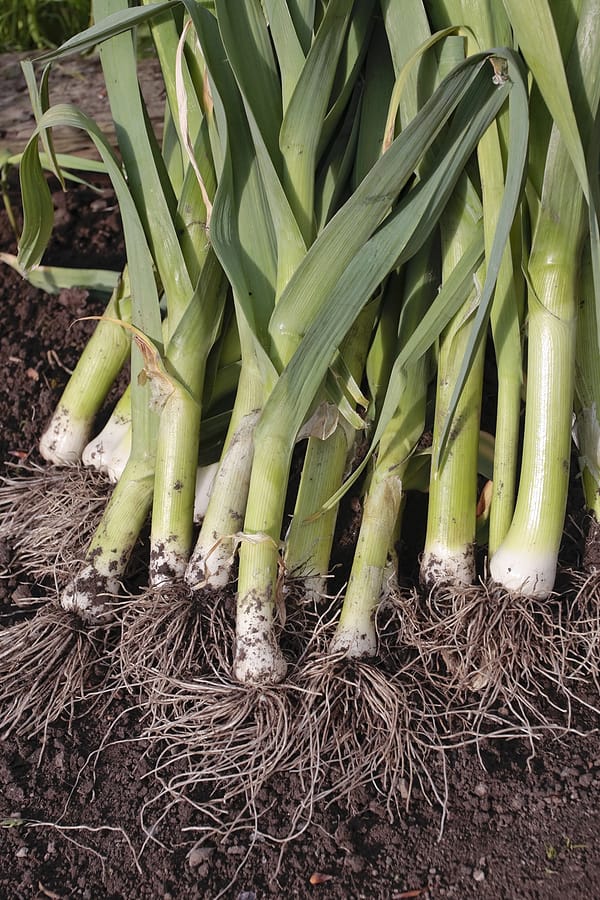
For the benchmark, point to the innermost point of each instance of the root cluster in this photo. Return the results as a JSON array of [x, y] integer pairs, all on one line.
[[47, 517], [47, 664], [516, 662], [452, 668]]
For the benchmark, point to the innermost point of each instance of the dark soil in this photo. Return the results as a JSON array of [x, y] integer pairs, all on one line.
[[519, 825]]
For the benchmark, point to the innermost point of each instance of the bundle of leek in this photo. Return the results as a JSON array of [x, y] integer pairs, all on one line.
[[315, 169], [168, 359]]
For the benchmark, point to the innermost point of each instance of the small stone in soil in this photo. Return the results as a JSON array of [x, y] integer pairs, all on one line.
[[199, 855]]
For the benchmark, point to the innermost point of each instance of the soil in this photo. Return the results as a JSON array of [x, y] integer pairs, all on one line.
[[521, 821]]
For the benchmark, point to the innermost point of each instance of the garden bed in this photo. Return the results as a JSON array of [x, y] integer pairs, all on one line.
[[521, 821]]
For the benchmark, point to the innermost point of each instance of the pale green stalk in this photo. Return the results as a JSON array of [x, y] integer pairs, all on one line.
[[310, 537], [355, 634], [308, 546], [587, 388], [242, 232], [449, 553], [526, 561], [212, 559], [179, 430], [70, 427], [253, 249], [192, 280], [192, 331], [111, 545], [174, 483], [205, 478], [89, 594], [258, 655], [351, 279], [213, 556], [489, 27], [506, 319], [109, 451], [155, 202], [130, 503]]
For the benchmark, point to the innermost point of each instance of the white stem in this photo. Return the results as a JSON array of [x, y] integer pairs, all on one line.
[[212, 561], [258, 658], [205, 478], [64, 439], [312, 588], [441, 564], [88, 593], [108, 453], [526, 560], [168, 562], [523, 570], [355, 635]]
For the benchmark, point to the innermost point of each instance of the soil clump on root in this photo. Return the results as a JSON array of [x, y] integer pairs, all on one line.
[[521, 817]]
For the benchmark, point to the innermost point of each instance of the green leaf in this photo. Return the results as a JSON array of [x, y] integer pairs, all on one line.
[[38, 210], [53, 279], [39, 102], [303, 15], [66, 161], [376, 92], [449, 300], [38, 216], [398, 239], [349, 72], [146, 174], [515, 179], [303, 121], [536, 36], [280, 221], [353, 225], [248, 46], [241, 228], [288, 48], [112, 25]]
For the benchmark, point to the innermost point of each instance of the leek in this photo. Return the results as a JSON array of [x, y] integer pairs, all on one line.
[[526, 561], [356, 633], [70, 427], [449, 554]]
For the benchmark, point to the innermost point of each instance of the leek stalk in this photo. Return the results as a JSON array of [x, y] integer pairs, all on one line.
[[587, 387], [526, 561], [355, 634], [449, 554], [70, 427], [109, 451]]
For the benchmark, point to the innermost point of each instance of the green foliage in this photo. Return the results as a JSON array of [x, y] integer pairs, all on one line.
[[31, 24]]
